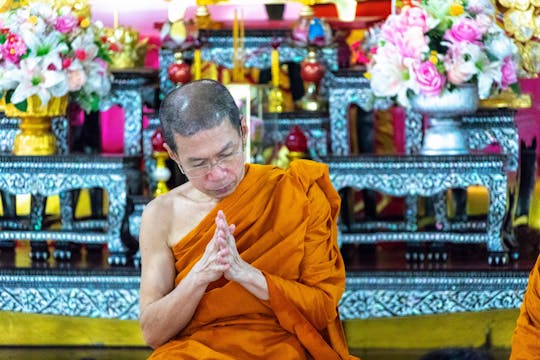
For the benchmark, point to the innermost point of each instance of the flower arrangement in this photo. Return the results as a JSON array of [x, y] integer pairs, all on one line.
[[49, 52], [438, 45]]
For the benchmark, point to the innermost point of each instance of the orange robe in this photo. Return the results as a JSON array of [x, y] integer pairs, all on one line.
[[526, 339], [286, 227]]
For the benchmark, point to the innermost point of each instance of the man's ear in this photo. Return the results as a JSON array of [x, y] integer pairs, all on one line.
[[244, 128], [171, 153]]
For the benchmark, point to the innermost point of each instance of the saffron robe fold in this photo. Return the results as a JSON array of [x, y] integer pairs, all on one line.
[[285, 227], [526, 338]]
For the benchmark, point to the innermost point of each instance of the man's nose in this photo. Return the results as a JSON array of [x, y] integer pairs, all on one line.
[[216, 171]]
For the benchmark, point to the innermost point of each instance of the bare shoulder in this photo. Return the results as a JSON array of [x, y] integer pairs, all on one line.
[[171, 216]]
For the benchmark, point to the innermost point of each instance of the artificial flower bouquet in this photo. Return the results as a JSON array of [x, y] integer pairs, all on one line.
[[49, 52], [437, 45]]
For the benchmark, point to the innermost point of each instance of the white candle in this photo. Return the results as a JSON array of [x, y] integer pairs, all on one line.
[[115, 18]]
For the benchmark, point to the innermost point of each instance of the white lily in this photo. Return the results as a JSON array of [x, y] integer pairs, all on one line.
[[7, 79], [47, 49], [97, 82], [85, 42], [35, 80], [391, 76], [490, 74]]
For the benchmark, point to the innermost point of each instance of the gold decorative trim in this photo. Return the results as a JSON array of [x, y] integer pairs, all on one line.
[[507, 100]]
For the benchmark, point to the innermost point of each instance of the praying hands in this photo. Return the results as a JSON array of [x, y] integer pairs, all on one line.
[[221, 258]]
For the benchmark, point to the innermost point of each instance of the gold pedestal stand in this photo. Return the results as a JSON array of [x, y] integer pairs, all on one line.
[[162, 173], [35, 136]]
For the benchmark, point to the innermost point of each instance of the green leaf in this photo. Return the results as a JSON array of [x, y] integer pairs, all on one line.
[[516, 88], [22, 106], [9, 94], [3, 38]]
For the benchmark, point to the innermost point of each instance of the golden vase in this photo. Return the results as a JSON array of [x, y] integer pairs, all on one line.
[[35, 136]]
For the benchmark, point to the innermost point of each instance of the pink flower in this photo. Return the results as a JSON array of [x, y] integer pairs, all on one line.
[[75, 79], [459, 64], [509, 73], [80, 54], [13, 48], [393, 28], [416, 16], [456, 75], [484, 22], [429, 79], [101, 63], [66, 23], [412, 43], [465, 30]]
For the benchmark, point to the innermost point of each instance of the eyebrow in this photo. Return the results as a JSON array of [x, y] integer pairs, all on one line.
[[223, 149]]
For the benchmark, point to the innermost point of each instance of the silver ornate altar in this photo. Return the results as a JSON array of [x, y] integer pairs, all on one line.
[[376, 294], [368, 294], [43, 176], [128, 90], [419, 175], [314, 125], [218, 48], [346, 88], [484, 128], [94, 294]]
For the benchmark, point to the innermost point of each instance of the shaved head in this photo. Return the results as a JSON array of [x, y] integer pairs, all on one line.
[[196, 106]]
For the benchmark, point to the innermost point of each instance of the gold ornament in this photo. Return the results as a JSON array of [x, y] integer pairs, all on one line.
[[129, 50], [81, 8], [521, 20], [5, 5]]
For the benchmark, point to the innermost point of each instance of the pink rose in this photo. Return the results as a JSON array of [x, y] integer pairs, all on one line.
[[66, 23], [75, 79], [484, 22], [459, 67], [412, 43], [509, 73], [392, 28], [456, 75], [428, 78], [416, 16], [466, 30]]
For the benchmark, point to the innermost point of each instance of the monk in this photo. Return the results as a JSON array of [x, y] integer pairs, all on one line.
[[526, 339], [241, 261]]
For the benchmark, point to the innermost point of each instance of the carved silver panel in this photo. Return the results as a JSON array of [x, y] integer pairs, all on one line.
[[414, 127], [128, 89], [367, 295], [95, 296], [346, 88], [131, 102], [149, 161], [426, 176], [390, 294], [494, 126], [278, 125], [45, 176]]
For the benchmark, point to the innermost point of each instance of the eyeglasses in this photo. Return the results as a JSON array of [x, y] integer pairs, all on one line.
[[223, 161]]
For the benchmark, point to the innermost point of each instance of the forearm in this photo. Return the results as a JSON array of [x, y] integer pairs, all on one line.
[[254, 281], [166, 317]]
